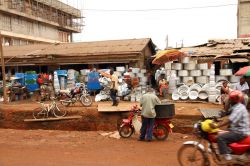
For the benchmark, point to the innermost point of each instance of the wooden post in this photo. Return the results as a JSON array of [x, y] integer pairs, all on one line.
[[3, 70]]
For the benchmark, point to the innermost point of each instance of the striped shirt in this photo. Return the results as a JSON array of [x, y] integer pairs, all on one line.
[[239, 119]]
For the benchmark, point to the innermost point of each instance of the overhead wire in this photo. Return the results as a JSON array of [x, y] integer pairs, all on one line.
[[148, 10]]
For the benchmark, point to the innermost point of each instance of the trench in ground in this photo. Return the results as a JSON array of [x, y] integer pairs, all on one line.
[[91, 120]]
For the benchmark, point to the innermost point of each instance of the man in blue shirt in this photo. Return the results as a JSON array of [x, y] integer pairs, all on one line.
[[239, 124]]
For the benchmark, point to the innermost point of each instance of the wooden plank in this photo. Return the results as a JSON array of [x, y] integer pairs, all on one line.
[[53, 119], [122, 107]]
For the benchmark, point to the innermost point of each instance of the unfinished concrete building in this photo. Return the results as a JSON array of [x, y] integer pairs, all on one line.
[[243, 29], [38, 21]]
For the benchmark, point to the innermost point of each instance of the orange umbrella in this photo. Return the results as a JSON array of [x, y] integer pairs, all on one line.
[[164, 56]]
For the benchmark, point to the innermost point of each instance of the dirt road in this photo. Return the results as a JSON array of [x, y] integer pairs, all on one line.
[[72, 148]]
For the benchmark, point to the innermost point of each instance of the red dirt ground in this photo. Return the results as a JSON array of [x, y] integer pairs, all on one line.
[[72, 148]]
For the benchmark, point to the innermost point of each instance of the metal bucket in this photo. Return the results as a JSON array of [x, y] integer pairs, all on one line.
[[226, 72], [202, 79], [168, 65], [170, 72], [176, 66], [165, 110], [202, 66], [206, 72], [195, 73], [189, 66], [220, 78], [188, 80], [185, 60], [234, 78], [183, 73]]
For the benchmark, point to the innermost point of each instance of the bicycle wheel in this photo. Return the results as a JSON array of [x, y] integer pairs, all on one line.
[[39, 113], [59, 112], [192, 155], [86, 100]]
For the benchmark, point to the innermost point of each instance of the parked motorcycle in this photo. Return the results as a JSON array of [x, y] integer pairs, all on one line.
[[162, 126], [197, 152], [77, 94]]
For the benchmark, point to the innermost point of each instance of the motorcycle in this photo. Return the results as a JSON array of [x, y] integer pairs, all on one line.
[[198, 152], [77, 94], [132, 124]]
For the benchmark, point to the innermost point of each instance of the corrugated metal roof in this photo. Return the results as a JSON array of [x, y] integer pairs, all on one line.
[[109, 47], [219, 47]]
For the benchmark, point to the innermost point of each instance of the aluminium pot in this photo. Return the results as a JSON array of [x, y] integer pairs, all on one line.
[[203, 95], [193, 94]]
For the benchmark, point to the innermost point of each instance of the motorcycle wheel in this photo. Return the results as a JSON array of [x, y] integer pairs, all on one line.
[[86, 100], [161, 132], [192, 155], [126, 131], [65, 102]]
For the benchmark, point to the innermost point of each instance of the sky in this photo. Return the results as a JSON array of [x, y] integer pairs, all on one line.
[[190, 22]]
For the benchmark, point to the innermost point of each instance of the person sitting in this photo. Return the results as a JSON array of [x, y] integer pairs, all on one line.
[[244, 88], [224, 94], [239, 124], [135, 82], [163, 86]]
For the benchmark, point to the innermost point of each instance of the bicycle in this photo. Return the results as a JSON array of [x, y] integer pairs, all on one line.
[[44, 110]]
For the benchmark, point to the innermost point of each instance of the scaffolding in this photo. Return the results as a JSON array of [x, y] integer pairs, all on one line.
[[51, 10]]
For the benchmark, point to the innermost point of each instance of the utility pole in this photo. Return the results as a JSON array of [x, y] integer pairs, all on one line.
[[3, 70], [167, 42], [182, 44]]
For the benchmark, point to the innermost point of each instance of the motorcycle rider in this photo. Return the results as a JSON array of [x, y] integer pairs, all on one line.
[[239, 124]]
